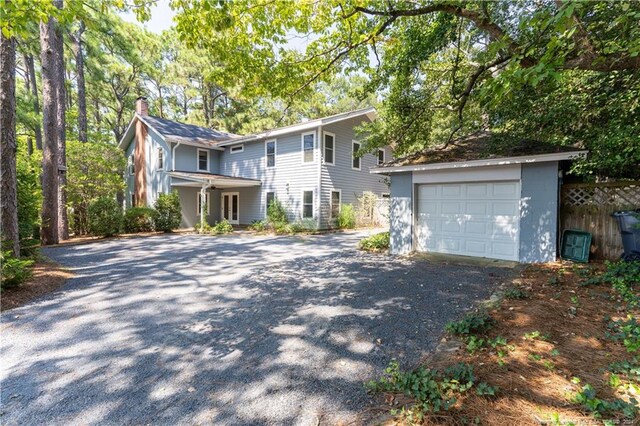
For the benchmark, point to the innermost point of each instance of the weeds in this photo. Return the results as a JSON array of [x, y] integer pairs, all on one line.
[[599, 407], [515, 293], [627, 331], [472, 323], [376, 243]]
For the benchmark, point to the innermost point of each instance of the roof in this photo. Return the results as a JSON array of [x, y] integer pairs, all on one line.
[[370, 113], [219, 181], [174, 131], [481, 148]]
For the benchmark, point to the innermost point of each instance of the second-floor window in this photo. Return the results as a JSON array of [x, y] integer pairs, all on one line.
[[380, 157], [203, 160], [329, 148], [160, 159], [270, 148], [307, 147], [355, 147]]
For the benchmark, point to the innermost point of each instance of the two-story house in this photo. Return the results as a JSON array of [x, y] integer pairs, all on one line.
[[309, 167]]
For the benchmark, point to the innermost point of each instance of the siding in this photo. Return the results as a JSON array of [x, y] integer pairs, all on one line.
[[189, 205], [401, 215], [539, 212], [187, 159], [341, 176]]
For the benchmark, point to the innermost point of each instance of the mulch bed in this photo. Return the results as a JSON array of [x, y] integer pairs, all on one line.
[[535, 381], [47, 276]]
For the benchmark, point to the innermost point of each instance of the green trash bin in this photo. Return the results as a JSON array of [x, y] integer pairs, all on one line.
[[576, 245]]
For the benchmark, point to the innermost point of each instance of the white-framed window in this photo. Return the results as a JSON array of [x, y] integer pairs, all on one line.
[[355, 161], [206, 200], [307, 146], [336, 203], [307, 204], [270, 197], [160, 159], [329, 148], [132, 165], [270, 152], [203, 160], [236, 149], [380, 157]]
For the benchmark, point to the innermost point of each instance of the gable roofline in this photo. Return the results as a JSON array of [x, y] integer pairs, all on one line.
[[500, 161], [301, 127]]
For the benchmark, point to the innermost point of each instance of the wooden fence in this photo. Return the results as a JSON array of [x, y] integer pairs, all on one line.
[[588, 207]]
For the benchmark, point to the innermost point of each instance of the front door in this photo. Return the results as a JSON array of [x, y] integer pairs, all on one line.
[[231, 207]]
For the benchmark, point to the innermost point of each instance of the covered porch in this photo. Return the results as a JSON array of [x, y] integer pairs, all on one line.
[[208, 197]]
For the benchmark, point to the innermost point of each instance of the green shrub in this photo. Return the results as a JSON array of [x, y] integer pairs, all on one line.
[[276, 214], [258, 225], [515, 293], [377, 242], [14, 271], [139, 219], [347, 217], [472, 323], [168, 213], [105, 217], [222, 227]]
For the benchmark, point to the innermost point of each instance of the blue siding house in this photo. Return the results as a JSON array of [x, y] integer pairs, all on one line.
[[309, 167]]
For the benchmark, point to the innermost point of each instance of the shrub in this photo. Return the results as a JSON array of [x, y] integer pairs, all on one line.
[[305, 225], [139, 219], [168, 213], [377, 242], [347, 217], [105, 217], [222, 227], [276, 214], [515, 293], [258, 225], [14, 271]]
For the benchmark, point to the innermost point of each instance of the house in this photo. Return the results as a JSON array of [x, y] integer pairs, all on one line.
[[310, 167], [479, 197]]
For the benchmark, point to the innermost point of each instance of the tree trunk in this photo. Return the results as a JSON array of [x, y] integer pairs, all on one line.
[[27, 85], [82, 96], [31, 72], [205, 103], [49, 213], [160, 101], [61, 126], [8, 147]]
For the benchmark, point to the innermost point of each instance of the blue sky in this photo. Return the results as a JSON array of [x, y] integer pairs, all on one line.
[[161, 17]]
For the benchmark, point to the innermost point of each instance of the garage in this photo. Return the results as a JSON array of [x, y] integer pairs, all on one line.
[[471, 219]]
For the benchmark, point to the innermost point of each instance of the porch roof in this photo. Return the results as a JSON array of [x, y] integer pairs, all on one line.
[[198, 179]]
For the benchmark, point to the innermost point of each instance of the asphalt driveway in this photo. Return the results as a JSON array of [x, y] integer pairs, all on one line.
[[187, 329]]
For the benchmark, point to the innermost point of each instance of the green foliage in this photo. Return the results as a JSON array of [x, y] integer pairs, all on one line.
[[29, 194], [515, 293], [222, 227], [168, 213], [105, 217], [624, 277], [14, 271], [347, 217], [139, 219], [472, 323], [599, 407], [431, 390], [630, 369], [303, 226], [535, 335], [376, 243], [627, 331], [276, 214], [259, 225]]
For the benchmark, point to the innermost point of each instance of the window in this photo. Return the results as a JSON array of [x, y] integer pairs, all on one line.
[[380, 157], [335, 203], [132, 165], [270, 197], [355, 163], [133, 199], [270, 148], [386, 195], [160, 159], [236, 149], [206, 200], [203, 160], [307, 204], [329, 148], [307, 147]]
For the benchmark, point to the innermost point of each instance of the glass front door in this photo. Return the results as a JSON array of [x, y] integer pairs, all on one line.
[[231, 207]]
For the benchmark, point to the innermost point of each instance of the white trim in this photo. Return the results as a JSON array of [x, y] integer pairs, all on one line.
[[230, 194], [384, 156], [237, 151], [313, 160], [302, 204], [266, 154], [160, 151], [370, 113], [324, 148], [198, 160], [474, 174], [489, 162], [339, 191], [353, 157], [208, 198]]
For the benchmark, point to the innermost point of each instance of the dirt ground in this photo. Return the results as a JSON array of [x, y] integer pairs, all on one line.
[[47, 277], [534, 378]]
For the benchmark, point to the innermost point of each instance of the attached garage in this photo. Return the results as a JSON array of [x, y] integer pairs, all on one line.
[[503, 207]]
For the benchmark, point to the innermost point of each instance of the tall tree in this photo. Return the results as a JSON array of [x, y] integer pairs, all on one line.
[[8, 147], [76, 40], [61, 127]]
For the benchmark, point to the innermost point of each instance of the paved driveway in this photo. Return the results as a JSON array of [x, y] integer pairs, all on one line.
[[186, 329]]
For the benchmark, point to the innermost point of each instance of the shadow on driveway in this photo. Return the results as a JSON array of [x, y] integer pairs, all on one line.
[[228, 330]]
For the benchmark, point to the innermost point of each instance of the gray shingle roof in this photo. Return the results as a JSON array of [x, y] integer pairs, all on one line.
[[175, 131]]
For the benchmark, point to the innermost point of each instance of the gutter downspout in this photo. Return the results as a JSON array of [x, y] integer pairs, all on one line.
[[320, 159], [173, 156]]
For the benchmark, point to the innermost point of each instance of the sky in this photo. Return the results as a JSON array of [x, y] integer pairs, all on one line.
[[161, 17]]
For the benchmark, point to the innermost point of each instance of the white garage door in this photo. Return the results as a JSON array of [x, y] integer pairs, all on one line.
[[472, 219]]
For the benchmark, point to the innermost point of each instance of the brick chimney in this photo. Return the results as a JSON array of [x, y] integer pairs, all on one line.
[[142, 107]]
